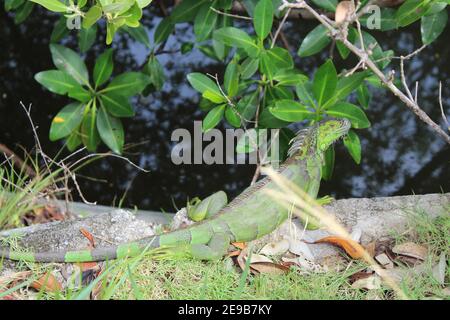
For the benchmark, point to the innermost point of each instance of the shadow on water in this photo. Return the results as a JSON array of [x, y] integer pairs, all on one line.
[[400, 154]]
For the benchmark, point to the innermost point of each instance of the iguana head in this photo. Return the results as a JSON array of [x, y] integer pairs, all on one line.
[[319, 137]]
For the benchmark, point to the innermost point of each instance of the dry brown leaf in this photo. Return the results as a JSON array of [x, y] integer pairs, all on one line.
[[47, 283], [411, 249], [88, 236], [239, 245], [84, 266], [269, 268], [234, 253], [352, 248], [343, 10], [359, 275]]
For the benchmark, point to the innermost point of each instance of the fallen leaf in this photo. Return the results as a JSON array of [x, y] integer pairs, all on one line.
[[411, 249], [300, 248], [84, 266], [239, 245], [352, 248], [234, 253], [88, 236], [439, 269], [343, 10], [359, 275], [275, 248], [356, 234], [269, 268], [256, 258], [47, 283], [370, 283]]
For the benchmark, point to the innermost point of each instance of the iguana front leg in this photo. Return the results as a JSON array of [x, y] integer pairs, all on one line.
[[216, 248], [200, 210]]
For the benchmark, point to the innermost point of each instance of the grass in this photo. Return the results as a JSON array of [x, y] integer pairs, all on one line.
[[19, 191], [144, 278]]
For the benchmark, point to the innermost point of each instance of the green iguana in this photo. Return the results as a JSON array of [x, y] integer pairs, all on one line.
[[249, 216]]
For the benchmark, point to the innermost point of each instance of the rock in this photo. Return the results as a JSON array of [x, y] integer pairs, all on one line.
[[384, 260]]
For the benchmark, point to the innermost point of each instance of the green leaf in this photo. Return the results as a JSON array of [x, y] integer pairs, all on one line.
[[86, 38], [52, 5], [281, 58], [66, 121], [232, 117], [117, 105], [110, 130], [363, 95], [186, 10], [69, 61], [328, 167], [343, 50], [347, 110], [73, 141], [13, 4], [60, 30], [314, 41], [80, 94], [213, 118], [263, 18], [23, 12], [91, 16], [89, 132], [103, 67], [329, 5], [214, 97], [205, 22], [139, 34], [266, 65], [143, 3], [433, 25], [304, 92], [249, 67], [128, 84], [353, 145], [201, 83], [346, 85], [56, 81], [411, 10], [235, 37], [163, 30], [155, 71], [325, 82], [247, 106], [231, 79], [291, 111], [286, 77]]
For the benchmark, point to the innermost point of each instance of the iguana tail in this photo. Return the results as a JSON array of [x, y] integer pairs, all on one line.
[[130, 249]]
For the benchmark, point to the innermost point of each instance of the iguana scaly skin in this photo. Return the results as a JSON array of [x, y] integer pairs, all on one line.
[[249, 216]]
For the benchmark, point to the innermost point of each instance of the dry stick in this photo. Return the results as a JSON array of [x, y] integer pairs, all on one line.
[[410, 103], [442, 107], [16, 160]]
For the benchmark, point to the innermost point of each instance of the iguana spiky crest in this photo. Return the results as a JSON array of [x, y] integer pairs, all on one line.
[[319, 137]]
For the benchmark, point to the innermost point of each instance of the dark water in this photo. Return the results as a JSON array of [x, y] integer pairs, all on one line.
[[400, 154]]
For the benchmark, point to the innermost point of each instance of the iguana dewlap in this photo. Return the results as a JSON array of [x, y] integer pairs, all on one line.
[[249, 216]]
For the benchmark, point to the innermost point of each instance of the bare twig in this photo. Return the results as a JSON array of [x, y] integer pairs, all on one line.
[[364, 56], [442, 107]]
